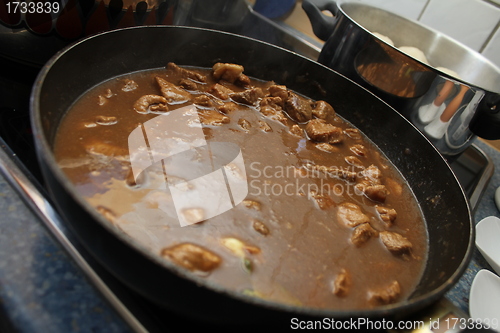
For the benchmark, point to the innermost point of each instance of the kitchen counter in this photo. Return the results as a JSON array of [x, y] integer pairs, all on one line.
[[41, 286], [459, 294]]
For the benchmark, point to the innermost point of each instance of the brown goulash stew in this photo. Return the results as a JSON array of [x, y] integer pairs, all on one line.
[[328, 221]]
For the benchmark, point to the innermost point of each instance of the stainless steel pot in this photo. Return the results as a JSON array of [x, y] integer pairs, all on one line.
[[449, 110]]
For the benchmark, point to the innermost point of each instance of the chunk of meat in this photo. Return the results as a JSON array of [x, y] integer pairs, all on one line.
[[203, 100], [353, 133], [106, 120], [376, 193], [320, 131], [228, 107], [280, 92], [298, 108], [272, 110], [238, 248], [252, 204], [186, 73], [151, 104], [351, 215], [358, 150], [297, 131], [386, 295], [171, 92], [323, 110], [192, 257], [344, 173], [272, 102], [327, 147], [354, 161], [227, 72], [102, 100], [373, 175], [242, 81], [188, 84], [334, 171], [322, 200], [249, 96], [129, 85], [347, 174], [219, 91], [108, 93], [342, 284], [395, 242], [362, 234], [264, 126], [388, 215], [260, 227], [212, 117], [244, 124]]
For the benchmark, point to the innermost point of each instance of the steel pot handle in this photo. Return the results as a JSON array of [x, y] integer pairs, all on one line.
[[486, 121], [322, 25]]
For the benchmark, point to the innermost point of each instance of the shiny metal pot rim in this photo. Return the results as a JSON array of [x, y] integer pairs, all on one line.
[[472, 67]]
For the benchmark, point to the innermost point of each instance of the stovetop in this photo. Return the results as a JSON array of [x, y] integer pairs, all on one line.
[[18, 164]]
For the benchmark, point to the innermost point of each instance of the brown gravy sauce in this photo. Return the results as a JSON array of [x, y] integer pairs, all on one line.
[[296, 248]]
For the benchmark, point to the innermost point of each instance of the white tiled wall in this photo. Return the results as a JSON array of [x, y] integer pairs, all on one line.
[[411, 9], [475, 23], [468, 21], [492, 49]]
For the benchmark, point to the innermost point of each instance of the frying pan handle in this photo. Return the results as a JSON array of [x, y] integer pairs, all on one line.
[[322, 24], [486, 121]]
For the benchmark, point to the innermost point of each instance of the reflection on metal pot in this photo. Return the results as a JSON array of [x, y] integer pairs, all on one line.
[[448, 109]]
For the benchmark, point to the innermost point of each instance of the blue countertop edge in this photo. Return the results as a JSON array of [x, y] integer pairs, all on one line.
[[41, 287], [459, 294]]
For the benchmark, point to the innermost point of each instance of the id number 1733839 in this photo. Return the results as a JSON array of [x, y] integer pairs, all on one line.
[[32, 7]]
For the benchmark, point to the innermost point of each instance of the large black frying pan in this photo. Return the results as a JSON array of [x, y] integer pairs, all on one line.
[[93, 60]]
